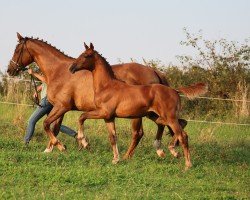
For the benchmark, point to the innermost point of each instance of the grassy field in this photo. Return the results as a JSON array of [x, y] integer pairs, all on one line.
[[220, 156]]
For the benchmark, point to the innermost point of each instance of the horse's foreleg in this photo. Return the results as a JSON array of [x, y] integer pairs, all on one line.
[[102, 114], [55, 113], [82, 141], [55, 130], [137, 133], [113, 139]]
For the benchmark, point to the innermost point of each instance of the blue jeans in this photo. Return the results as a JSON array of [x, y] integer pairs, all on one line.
[[38, 114]]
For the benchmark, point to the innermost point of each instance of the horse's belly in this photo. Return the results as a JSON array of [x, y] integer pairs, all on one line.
[[131, 110]]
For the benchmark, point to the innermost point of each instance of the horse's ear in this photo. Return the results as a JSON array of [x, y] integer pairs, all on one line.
[[86, 46], [20, 38], [91, 46]]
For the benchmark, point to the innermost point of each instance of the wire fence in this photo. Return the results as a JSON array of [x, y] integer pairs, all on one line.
[[190, 120], [203, 97]]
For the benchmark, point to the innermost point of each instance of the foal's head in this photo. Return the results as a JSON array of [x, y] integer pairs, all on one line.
[[21, 57], [85, 60]]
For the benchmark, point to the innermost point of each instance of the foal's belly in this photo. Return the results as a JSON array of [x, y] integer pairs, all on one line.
[[131, 109]]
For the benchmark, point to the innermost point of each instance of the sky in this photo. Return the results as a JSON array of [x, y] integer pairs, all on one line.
[[121, 30]]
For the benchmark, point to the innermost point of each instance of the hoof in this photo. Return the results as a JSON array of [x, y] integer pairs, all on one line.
[[176, 155], [115, 161], [161, 153], [61, 147], [80, 147], [86, 145], [82, 143], [188, 166], [48, 149], [126, 157], [173, 152]]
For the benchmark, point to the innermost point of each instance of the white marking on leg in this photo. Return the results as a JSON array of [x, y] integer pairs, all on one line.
[[157, 144], [84, 142]]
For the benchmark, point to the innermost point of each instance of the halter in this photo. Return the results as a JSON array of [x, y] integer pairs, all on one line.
[[21, 67]]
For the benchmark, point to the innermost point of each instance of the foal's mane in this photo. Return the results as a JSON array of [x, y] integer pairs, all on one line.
[[106, 63], [49, 45]]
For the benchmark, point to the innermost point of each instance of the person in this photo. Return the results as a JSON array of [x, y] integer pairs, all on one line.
[[42, 110]]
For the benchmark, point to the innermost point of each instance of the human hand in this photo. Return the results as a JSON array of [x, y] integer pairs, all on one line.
[[30, 71], [35, 95]]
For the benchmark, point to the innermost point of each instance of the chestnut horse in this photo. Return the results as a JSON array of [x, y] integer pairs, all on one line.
[[114, 98], [64, 90]]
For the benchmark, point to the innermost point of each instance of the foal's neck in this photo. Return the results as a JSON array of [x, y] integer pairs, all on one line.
[[102, 73]]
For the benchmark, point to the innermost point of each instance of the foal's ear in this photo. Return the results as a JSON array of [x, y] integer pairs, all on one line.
[[19, 37], [86, 46], [91, 46]]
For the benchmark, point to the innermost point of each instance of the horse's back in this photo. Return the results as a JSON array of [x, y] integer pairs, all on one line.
[[136, 74]]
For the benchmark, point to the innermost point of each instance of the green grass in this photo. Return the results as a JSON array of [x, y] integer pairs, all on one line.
[[220, 156]]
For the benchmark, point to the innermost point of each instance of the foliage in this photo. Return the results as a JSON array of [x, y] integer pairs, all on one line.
[[224, 65]]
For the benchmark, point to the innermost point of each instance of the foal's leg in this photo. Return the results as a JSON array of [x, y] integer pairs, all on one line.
[[137, 133], [113, 140], [55, 113], [183, 124], [82, 141], [102, 114], [172, 145], [175, 142], [183, 138], [157, 142]]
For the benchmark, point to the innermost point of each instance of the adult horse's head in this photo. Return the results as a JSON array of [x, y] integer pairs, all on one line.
[[21, 57], [85, 60]]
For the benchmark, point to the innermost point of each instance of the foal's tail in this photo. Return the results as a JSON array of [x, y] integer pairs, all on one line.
[[194, 91]]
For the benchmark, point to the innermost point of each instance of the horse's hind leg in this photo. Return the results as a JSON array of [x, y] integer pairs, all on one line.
[[157, 142], [172, 146], [137, 133], [183, 138], [183, 124], [175, 142]]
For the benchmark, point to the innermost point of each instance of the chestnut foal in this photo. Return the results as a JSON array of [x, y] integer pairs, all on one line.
[[114, 98]]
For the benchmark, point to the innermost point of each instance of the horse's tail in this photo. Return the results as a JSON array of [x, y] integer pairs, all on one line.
[[194, 91], [161, 77]]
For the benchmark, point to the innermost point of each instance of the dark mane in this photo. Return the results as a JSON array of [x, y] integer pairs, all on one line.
[[45, 42], [109, 68]]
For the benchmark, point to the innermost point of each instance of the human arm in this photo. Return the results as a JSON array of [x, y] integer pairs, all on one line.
[[39, 76]]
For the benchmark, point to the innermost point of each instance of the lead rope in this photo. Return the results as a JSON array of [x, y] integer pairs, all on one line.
[[36, 99]]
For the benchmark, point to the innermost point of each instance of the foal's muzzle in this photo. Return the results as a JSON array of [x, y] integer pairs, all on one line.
[[72, 68]]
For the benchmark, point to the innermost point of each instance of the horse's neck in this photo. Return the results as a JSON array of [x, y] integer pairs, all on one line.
[[102, 74], [48, 60]]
